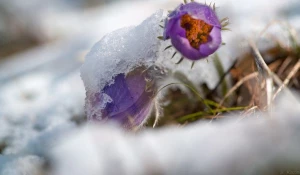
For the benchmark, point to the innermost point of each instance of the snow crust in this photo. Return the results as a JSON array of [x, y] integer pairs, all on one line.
[[121, 51]]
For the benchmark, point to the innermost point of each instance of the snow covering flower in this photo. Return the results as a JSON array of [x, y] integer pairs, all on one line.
[[128, 101], [194, 30]]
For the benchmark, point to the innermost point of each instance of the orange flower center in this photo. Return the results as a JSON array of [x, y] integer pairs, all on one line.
[[197, 31]]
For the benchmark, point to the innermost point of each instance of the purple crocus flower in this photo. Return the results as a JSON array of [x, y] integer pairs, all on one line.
[[194, 30], [128, 101]]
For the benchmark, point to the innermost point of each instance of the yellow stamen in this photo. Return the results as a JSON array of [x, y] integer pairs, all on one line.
[[197, 31]]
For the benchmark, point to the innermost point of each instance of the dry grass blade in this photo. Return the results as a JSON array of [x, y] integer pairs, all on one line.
[[260, 63], [158, 112], [284, 65], [238, 84], [264, 70], [246, 113], [250, 110], [288, 78]]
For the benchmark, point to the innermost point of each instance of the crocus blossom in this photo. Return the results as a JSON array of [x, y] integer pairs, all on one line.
[[128, 101], [194, 30]]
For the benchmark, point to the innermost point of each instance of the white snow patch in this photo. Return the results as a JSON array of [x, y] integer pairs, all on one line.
[[230, 146], [120, 52], [26, 165]]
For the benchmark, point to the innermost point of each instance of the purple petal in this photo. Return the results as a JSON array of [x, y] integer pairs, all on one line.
[[213, 44], [130, 104], [176, 11], [183, 46], [123, 93], [174, 28], [202, 12], [169, 25]]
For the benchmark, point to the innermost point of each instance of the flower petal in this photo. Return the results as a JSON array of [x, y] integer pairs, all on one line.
[[176, 29], [122, 96], [183, 46], [202, 12], [213, 44], [129, 105]]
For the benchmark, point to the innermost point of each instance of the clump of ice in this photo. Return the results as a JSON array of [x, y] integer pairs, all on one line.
[[121, 51]]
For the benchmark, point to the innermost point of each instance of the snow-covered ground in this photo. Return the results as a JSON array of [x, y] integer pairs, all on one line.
[[42, 94]]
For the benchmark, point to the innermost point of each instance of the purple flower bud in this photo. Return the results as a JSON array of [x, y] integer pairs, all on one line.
[[194, 30], [128, 101]]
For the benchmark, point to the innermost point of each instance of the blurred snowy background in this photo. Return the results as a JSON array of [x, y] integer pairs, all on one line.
[[43, 45]]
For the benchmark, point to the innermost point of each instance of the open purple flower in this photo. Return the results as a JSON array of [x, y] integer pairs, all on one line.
[[128, 101], [194, 30]]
